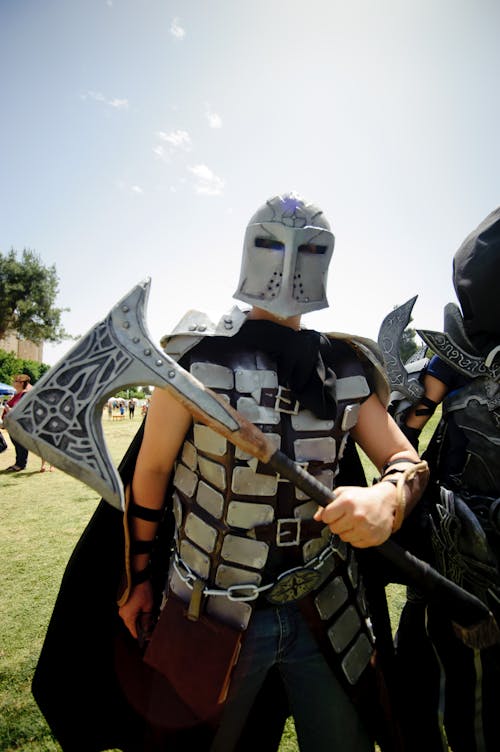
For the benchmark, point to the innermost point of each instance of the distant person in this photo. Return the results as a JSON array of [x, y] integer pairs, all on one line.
[[22, 384], [122, 409], [131, 408]]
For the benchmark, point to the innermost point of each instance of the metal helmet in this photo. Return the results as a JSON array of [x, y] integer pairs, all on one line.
[[476, 274], [287, 248]]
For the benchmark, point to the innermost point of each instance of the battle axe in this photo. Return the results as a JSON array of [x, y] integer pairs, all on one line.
[[60, 419]]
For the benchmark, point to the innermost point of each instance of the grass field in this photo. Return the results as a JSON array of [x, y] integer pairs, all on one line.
[[42, 515]]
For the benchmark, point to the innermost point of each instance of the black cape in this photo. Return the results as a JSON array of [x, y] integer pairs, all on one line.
[[90, 667], [90, 671]]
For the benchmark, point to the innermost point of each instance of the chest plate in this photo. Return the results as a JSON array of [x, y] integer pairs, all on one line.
[[242, 529], [473, 437]]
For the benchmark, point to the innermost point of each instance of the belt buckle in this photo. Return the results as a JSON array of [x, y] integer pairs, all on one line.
[[293, 585], [284, 395], [280, 533]]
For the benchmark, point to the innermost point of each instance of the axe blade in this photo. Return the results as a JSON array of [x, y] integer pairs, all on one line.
[[389, 337], [60, 419]]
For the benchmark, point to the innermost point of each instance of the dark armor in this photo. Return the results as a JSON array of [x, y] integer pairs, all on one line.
[[455, 685], [474, 412], [248, 534]]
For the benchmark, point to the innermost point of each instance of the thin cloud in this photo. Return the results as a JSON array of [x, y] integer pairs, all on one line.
[[176, 29], [127, 188], [118, 103], [160, 152], [178, 139], [97, 96], [214, 120], [207, 182]]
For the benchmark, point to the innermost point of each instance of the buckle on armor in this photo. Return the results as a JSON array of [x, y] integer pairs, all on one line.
[[280, 532], [284, 395]]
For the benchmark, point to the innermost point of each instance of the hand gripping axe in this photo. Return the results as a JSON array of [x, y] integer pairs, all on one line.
[[61, 420]]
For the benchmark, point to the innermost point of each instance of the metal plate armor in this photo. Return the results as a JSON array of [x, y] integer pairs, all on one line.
[[248, 534]]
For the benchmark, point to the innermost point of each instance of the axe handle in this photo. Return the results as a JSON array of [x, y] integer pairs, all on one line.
[[461, 606]]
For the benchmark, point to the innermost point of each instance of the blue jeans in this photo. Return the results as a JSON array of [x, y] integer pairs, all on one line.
[[325, 718]]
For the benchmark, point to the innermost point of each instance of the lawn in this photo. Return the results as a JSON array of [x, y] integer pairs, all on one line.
[[42, 515]]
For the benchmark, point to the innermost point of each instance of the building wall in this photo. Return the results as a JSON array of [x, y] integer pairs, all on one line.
[[22, 348]]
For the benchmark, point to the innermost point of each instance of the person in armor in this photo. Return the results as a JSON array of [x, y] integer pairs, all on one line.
[[456, 685], [252, 555]]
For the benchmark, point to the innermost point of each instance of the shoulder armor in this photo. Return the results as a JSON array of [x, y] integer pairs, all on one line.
[[368, 350], [195, 325], [455, 348]]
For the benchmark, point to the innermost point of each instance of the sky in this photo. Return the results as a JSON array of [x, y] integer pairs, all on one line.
[[138, 137]]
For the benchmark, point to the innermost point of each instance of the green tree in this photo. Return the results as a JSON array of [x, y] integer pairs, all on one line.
[[138, 392], [408, 345], [28, 290], [10, 364]]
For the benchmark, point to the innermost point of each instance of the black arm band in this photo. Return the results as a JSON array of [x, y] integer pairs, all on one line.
[[141, 547], [139, 577], [144, 513], [429, 409]]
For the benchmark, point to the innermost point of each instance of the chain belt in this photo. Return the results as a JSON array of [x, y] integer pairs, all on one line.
[[291, 585]]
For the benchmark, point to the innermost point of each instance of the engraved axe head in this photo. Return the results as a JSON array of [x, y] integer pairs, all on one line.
[[61, 417], [389, 339]]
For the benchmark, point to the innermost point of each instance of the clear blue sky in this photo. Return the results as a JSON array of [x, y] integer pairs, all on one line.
[[137, 137]]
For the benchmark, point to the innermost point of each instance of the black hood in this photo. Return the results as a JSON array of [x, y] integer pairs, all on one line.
[[476, 278]]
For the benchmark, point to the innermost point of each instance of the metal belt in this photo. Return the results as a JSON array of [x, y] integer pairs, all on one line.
[[290, 585]]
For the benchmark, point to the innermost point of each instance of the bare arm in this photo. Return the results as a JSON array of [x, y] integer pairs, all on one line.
[[365, 516], [167, 422], [435, 390]]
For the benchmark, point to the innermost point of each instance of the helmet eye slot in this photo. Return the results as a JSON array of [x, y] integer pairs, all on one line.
[[274, 245], [312, 248]]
